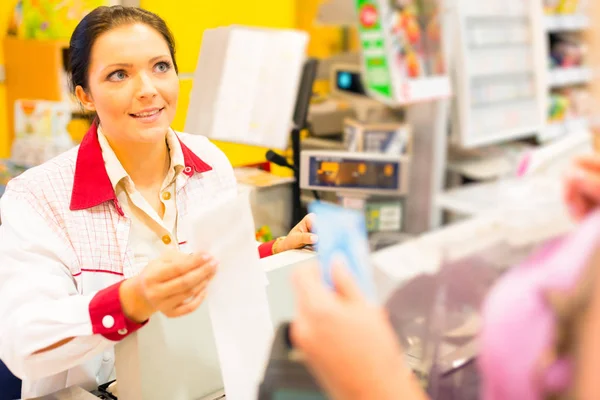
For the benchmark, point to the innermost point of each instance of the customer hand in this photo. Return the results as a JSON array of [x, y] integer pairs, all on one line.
[[582, 186], [347, 342], [174, 284], [299, 236]]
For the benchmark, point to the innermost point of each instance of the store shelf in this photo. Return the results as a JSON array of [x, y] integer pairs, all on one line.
[[563, 23], [569, 77], [479, 139], [560, 129], [498, 86]]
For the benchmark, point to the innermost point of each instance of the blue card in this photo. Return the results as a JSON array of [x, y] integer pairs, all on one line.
[[343, 236]]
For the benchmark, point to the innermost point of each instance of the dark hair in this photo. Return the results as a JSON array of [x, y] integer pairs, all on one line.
[[102, 20]]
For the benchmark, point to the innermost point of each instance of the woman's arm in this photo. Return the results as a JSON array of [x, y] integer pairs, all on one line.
[[47, 326]]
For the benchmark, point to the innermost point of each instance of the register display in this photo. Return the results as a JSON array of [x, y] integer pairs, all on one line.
[[355, 174]]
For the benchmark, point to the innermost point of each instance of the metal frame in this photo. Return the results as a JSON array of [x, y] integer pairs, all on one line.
[[428, 166], [430, 124]]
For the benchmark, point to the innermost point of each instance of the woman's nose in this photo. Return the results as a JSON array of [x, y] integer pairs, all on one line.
[[146, 87]]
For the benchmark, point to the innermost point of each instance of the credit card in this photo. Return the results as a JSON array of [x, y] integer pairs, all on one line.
[[343, 236]]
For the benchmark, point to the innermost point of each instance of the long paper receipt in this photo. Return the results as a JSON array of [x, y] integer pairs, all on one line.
[[237, 298]]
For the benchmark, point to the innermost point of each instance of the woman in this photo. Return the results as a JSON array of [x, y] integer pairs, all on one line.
[[91, 244]]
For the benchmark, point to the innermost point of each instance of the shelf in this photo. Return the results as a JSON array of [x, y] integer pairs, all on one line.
[[502, 136], [502, 102], [497, 46], [563, 128], [569, 77], [562, 23], [498, 90]]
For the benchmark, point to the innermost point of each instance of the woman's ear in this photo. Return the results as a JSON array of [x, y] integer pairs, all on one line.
[[85, 99]]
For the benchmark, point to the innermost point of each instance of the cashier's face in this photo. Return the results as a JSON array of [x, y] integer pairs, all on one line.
[[133, 86]]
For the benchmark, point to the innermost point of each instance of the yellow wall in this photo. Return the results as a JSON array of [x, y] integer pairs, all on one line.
[[189, 18], [6, 7], [324, 40]]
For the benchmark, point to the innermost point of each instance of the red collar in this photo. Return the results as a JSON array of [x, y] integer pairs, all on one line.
[[91, 185]]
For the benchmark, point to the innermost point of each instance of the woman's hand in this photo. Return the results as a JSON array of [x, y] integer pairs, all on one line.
[[348, 343], [298, 237], [582, 186], [174, 284]]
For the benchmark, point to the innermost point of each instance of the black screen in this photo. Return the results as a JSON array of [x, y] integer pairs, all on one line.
[[347, 81]]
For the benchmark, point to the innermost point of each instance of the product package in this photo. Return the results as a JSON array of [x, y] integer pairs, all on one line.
[[40, 131]]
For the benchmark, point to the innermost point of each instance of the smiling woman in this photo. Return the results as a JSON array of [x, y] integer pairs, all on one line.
[[93, 242], [124, 69]]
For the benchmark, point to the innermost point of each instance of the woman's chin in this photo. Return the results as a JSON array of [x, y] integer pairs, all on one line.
[[152, 134]]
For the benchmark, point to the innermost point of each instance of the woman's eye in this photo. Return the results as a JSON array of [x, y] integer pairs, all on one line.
[[162, 66], [117, 76]]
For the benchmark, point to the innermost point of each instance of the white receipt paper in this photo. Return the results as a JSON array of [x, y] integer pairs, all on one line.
[[237, 297]]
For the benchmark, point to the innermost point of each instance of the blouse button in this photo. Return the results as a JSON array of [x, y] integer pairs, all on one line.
[[166, 239], [108, 321]]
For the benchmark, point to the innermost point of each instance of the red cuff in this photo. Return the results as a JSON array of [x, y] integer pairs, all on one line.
[[107, 315], [266, 249]]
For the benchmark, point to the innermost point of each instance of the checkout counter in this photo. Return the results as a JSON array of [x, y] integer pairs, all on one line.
[[464, 258]]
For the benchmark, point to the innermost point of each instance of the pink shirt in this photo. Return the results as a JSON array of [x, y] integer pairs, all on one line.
[[519, 326]]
